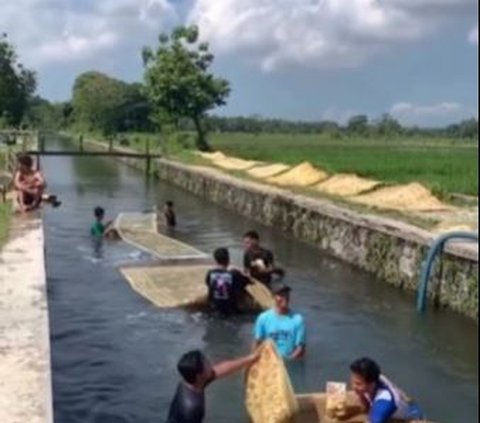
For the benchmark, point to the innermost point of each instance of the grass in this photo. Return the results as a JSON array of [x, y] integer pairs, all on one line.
[[5, 214], [444, 165]]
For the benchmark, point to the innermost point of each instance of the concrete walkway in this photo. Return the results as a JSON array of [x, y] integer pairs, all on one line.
[[25, 379]]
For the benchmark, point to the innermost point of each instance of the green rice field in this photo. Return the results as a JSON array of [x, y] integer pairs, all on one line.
[[445, 166]]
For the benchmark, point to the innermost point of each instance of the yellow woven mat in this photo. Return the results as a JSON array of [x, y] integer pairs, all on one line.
[[269, 395], [182, 284], [169, 286], [140, 231], [145, 222], [260, 294]]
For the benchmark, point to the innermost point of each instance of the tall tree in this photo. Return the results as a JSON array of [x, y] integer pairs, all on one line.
[[358, 125], [178, 82], [17, 84], [107, 104]]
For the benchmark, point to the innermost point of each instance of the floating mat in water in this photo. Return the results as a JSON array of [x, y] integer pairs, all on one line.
[[260, 294], [180, 283], [145, 222], [140, 231], [170, 286], [269, 396]]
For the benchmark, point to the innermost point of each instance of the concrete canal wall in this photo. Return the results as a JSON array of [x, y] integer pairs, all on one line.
[[389, 249], [25, 372]]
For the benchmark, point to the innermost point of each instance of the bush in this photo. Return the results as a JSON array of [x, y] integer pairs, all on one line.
[[124, 141]]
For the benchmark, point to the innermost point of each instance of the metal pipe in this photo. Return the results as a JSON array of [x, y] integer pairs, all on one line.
[[436, 248]]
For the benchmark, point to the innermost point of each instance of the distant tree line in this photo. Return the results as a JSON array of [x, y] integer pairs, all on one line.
[[360, 125]]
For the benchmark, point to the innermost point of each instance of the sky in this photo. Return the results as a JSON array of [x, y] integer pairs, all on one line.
[[293, 59]]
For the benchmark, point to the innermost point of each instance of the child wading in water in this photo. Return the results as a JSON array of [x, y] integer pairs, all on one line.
[[169, 214], [100, 229], [30, 185]]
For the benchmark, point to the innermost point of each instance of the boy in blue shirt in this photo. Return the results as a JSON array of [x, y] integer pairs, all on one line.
[[282, 325], [381, 398]]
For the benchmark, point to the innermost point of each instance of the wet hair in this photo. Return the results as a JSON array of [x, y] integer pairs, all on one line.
[[191, 365], [25, 160], [222, 256], [169, 203], [98, 212], [367, 369], [252, 235]]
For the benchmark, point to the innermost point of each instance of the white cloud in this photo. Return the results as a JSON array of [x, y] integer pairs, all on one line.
[[49, 31], [473, 36], [319, 33], [414, 114]]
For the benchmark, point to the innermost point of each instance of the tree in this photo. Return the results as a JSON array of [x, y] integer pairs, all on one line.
[[41, 113], [17, 84], [108, 104], [358, 125], [388, 126], [178, 82]]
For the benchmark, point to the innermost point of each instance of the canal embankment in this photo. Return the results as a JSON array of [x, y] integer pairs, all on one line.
[[391, 250], [25, 372]]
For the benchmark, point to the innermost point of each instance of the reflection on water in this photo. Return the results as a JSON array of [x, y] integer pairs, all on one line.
[[114, 354]]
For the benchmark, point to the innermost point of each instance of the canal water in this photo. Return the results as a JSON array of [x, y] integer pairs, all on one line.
[[114, 354]]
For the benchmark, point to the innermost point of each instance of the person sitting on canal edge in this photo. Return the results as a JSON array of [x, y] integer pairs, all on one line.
[[188, 404], [30, 185], [100, 229], [169, 214], [258, 262], [282, 325], [380, 397], [226, 287]]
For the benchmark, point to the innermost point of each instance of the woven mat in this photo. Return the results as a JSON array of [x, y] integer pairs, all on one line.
[[269, 395], [182, 284], [140, 230], [169, 286]]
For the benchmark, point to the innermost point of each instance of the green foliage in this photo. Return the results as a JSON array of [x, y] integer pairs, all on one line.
[[102, 103], [385, 127], [358, 125], [5, 213], [17, 84], [178, 83], [42, 114]]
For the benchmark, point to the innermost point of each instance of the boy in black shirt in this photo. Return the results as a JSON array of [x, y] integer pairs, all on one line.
[[257, 261], [169, 214], [188, 405], [225, 286]]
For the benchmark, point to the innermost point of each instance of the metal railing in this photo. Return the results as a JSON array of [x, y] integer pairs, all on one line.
[[435, 249]]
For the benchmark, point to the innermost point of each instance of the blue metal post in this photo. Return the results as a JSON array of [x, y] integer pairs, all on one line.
[[436, 247]]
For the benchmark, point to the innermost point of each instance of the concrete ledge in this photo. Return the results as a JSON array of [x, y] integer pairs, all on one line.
[[25, 371]]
